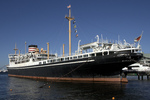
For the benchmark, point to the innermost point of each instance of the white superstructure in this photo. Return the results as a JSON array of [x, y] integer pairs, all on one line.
[[35, 57]]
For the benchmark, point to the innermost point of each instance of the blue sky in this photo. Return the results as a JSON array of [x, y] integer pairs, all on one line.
[[41, 21]]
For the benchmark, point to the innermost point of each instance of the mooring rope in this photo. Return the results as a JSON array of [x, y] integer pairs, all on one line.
[[66, 74], [73, 70]]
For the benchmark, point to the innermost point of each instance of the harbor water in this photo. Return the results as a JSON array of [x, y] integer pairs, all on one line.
[[12, 88]]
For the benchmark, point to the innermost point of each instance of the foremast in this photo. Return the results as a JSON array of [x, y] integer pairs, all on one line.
[[15, 49], [69, 19]]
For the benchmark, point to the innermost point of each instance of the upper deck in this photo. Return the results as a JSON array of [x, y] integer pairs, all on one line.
[[84, 51]]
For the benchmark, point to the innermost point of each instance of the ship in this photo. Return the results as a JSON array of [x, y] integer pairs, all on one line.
[[96, 61]]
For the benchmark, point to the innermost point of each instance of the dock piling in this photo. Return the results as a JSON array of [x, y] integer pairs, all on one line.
[[142, 77], [138, 77], [147, 77]]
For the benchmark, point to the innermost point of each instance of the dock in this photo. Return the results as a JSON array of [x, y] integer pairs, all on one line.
[[140, 74]]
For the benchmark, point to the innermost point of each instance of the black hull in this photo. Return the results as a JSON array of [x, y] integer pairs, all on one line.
[[108, 66]]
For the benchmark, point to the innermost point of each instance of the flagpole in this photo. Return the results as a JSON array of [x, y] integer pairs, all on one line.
[[141, 37], [138, 40]]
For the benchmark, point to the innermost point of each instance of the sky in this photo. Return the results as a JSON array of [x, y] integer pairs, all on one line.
[[41, 21]]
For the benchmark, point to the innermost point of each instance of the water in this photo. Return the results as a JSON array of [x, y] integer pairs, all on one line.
[[12, 88]]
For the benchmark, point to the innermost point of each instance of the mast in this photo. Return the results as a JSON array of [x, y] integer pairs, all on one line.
[[79, 46], [15, 49], [47, 50], [25, 46], [19, 52], [69, 19], [63, 50]]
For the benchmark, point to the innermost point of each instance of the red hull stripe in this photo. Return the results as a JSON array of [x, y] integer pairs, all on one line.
[[74, 79]]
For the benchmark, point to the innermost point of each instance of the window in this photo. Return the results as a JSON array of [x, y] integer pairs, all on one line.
[[75, 57], [44, 62], [70, 58], [54, 60], [58, 60], [134, 66], [99, 54], [67, 58], [92, 55], [79, 56], [105, 53], [147, 61], [85, 56], [62, 59]]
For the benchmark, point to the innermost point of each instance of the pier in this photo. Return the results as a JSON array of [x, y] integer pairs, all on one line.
[[140, 69], [139, 74]]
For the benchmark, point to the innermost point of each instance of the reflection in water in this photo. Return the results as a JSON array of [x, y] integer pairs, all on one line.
[[29, 89], [91, 91]]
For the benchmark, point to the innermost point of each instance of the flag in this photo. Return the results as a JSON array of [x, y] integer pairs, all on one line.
[[69, 6], [138, 38], [76, 35], [75, 26], [74, 22], [75, 31]]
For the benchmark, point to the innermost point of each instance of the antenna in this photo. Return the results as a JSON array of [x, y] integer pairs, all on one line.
[[97, 38], [102, 39], [79, 46], [118, 39]]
